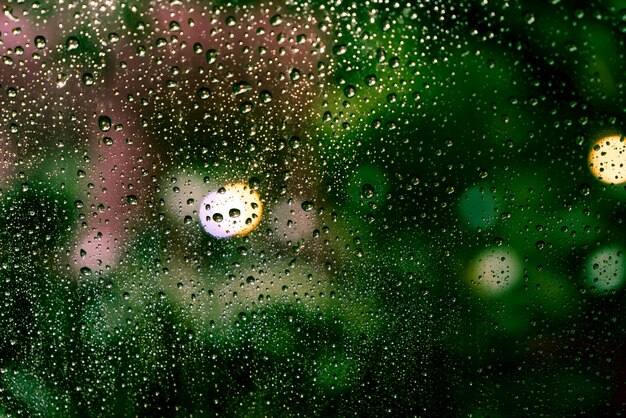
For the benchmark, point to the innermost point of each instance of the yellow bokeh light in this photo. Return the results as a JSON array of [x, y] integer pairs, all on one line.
[[494, 271], [607, 160]]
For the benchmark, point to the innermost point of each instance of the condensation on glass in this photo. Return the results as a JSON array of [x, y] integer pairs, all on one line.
[[312, 208]]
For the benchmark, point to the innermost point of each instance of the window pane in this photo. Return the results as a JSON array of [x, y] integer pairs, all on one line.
[[309, 207]]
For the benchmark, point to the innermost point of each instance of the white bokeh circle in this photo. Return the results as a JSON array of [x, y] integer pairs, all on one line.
[[495, 271], [231, 210]]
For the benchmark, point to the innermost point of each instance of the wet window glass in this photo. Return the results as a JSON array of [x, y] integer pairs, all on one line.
[[312, 208]]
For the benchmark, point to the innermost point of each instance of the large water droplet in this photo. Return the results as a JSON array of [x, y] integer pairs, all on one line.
[[307, 206], [204, 93], [211, 56], [241, 87], [40, 42], [72, 43], [104, 122], [276, 20]]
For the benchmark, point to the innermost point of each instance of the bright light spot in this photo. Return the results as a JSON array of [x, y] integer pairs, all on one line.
[[606, 268], [607, 160], [494, 272], [231, 210]]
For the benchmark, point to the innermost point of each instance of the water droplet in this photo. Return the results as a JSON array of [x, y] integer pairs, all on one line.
[[72, 43], [266, 96], [234, 213], [241, 87], [246, 107], [584, 189], [340, 49], [370, 80], [294, 142], [276, 20], [132, 200], [254, 183], [217, 217], [211, 56], [368, 191], [104, 122], [204, 93], [381, 55], [88, 79], [40, 42], [85, 271], [295, 74], [307, 206]]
